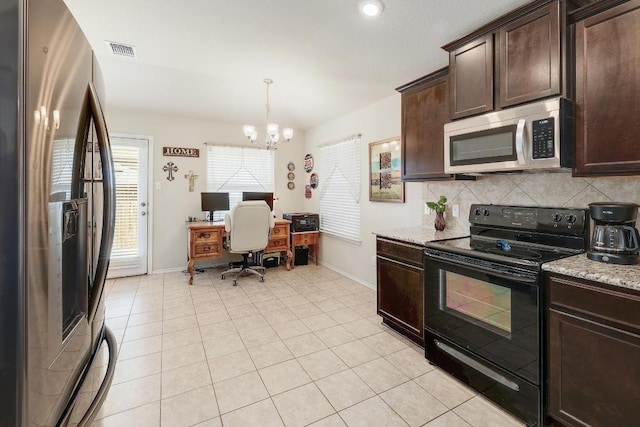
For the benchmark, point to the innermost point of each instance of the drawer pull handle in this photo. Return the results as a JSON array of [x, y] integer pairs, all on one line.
[[207, 248], [205, 235]]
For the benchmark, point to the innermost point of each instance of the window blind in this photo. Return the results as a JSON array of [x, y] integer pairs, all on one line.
[[340, 192], [126, 162], [237, 169]]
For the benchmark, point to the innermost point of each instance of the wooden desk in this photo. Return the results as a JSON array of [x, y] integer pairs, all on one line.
[[204, 241], [306, 238]]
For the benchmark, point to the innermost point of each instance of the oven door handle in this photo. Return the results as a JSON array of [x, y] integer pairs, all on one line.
[[477, 366], [514, 277]]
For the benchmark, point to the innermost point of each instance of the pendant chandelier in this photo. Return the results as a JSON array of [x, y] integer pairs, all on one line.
[[273, 135]]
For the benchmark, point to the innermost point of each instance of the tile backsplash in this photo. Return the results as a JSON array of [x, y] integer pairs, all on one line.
[[553, 189]]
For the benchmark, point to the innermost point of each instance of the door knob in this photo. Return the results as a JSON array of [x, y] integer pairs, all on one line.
[[143, 213]]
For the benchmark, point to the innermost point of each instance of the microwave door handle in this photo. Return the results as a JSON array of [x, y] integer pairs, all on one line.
[[520, 142]]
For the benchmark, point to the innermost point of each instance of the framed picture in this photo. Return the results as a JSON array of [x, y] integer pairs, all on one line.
[[384, 171]]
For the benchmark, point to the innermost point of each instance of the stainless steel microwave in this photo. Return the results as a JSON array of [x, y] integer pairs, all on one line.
[[531, 136]]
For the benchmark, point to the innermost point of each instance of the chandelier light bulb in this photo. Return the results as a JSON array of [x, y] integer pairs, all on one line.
[[248, 130], [287, 134]]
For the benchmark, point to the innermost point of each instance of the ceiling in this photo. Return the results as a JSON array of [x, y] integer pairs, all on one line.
[[207, 59]]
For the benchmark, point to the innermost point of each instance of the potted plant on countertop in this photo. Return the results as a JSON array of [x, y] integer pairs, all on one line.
[[439, 207]]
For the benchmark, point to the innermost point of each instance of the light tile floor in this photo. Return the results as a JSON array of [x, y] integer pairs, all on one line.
[[305, 347]]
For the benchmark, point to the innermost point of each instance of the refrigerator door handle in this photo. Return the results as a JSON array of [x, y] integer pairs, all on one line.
[[109, 197], [96, 404]]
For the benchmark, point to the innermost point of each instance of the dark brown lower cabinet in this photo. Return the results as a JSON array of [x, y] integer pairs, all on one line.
[[594, 354], [400, 287]]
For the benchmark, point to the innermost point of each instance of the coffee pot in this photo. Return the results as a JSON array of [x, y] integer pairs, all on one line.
[[615, 238]]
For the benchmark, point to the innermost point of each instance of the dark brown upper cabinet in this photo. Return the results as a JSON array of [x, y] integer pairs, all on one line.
[[530, 57], [425, 110], [608, 92], [515, 59], [471, 78]]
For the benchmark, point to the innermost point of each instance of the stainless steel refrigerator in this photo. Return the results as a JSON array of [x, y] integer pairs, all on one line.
[[57, 197]]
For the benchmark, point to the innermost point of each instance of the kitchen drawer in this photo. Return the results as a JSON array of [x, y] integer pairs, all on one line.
[[305, 239], [207, 249], [406, 252], [596, 302], [205, 235]]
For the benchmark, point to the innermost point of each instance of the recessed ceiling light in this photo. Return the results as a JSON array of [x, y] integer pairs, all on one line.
[[371, 8]]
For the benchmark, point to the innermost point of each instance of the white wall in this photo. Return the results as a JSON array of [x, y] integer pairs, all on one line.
[[375, 122], [173, 203]]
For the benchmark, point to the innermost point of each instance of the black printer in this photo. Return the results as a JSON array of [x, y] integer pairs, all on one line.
[[303, 221]]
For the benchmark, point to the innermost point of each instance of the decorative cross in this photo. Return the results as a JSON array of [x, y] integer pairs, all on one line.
[[171, 168], [191, 177]]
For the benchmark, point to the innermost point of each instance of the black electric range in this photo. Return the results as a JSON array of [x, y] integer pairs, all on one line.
[[484, 300]]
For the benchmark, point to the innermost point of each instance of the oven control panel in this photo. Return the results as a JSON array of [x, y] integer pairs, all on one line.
[[557, 220]]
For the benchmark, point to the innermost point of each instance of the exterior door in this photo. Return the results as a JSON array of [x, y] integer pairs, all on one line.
[[129, 256]]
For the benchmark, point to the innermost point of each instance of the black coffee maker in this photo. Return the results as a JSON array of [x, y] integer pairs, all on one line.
[[615, 238]]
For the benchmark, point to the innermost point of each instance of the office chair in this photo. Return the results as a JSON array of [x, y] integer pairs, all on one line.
[[248, 227]]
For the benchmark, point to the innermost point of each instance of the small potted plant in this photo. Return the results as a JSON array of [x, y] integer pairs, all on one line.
[[439, 207]]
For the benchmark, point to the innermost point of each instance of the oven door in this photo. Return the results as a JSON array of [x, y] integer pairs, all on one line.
[[490, 309], [483, 326]]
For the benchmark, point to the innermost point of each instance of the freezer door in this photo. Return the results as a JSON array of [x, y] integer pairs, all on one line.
[[59, 333]]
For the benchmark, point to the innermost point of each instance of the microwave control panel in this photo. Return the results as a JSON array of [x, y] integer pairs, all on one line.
[[542, 138]]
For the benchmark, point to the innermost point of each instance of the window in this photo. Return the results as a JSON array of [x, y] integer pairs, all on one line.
[[340, 192], [237, 169]]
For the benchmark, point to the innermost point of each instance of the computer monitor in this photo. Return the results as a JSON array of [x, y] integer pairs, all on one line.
[[212, 202], [267, 197]]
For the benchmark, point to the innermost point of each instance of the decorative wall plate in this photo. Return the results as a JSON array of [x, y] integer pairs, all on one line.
[[313, 181], [291, 185], [307, 191], [291, 176], [308, 163], [291, 166]]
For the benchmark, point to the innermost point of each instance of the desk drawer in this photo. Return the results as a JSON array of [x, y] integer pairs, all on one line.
[[305, 239], [279, 231], [206, 235], [278, 244], [207, 249]]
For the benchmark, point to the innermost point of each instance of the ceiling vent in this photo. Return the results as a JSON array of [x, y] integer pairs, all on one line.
[[120, 49]]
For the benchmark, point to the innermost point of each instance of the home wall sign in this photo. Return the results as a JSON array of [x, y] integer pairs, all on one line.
[[170, 168], [180, 152]]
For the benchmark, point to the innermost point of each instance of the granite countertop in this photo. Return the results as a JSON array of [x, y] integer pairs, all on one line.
[[624, 276], [419, 235]]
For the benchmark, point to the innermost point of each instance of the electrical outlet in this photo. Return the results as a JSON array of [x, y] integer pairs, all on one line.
[[427, 211], [455, 211], [158, 185]]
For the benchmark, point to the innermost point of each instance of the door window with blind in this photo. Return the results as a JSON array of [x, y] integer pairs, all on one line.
[[340, 192], [129, 254], [235, 170]]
